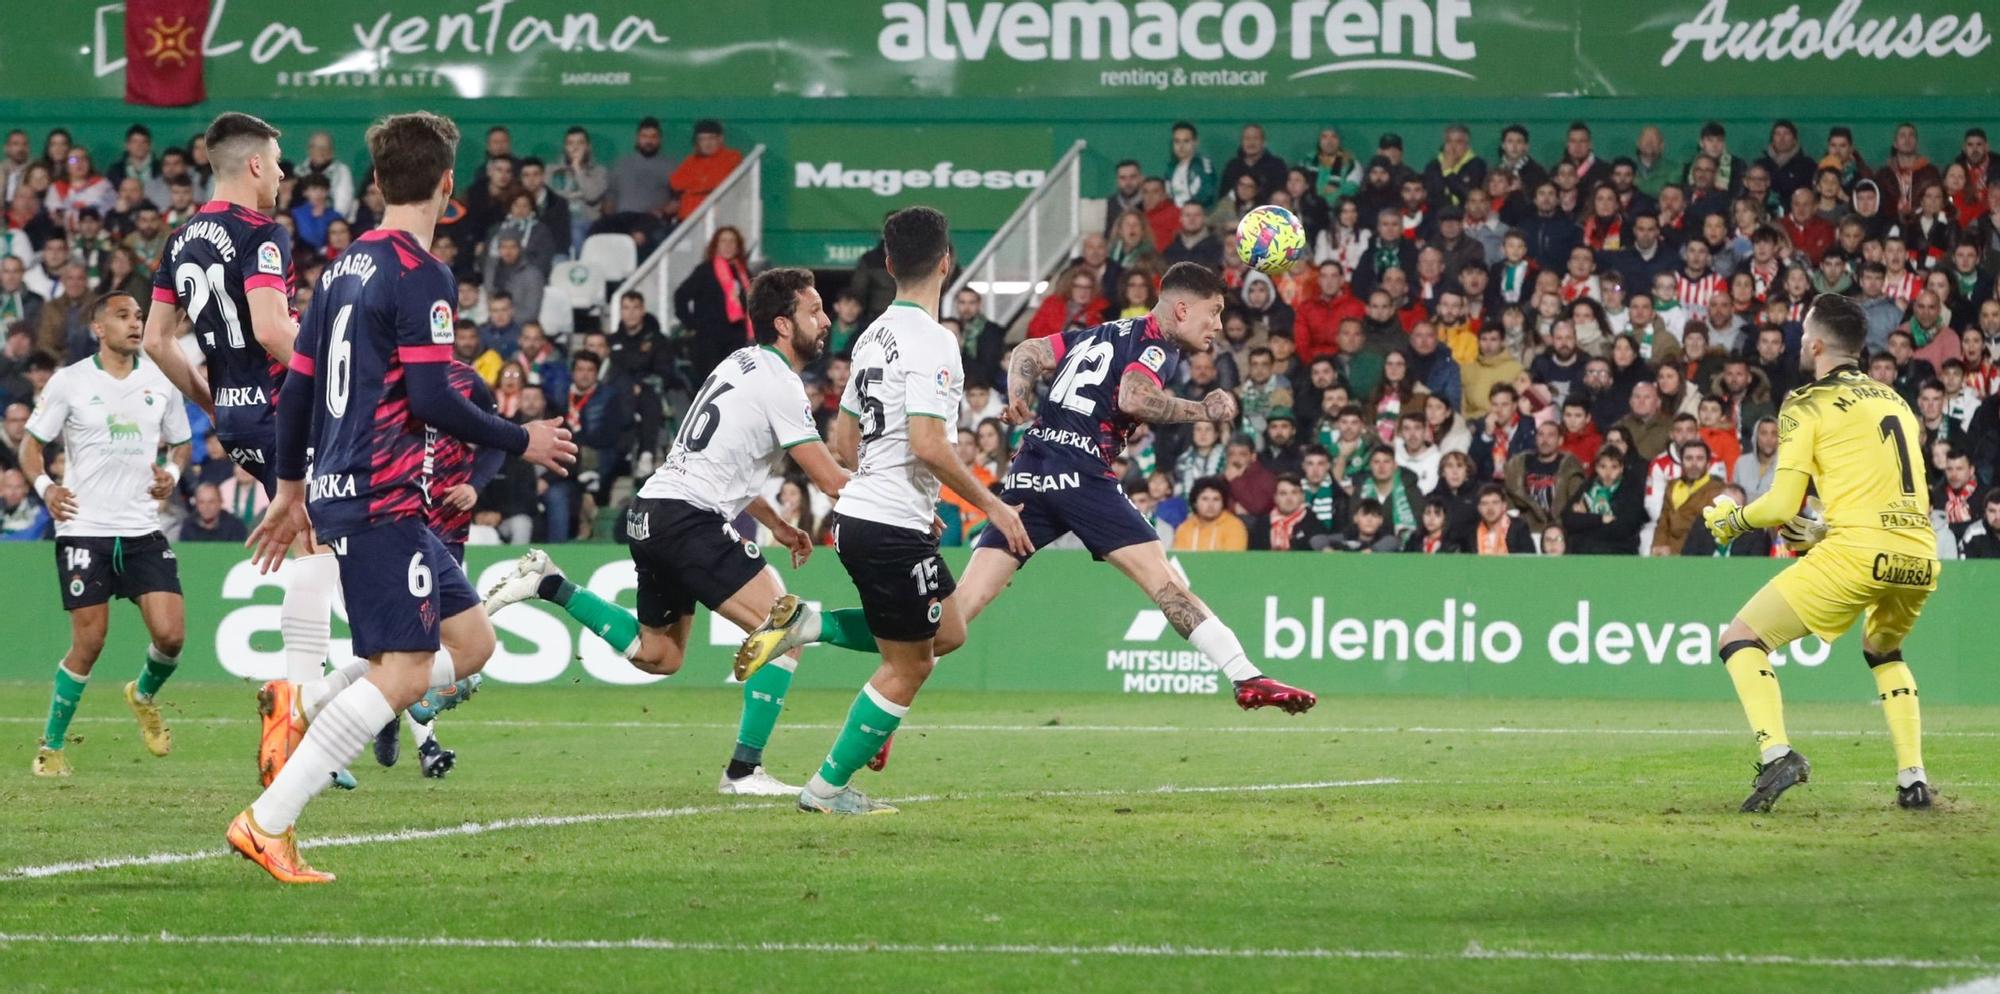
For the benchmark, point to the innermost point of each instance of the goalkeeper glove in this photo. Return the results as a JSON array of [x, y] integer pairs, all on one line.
[[1806, 529], [1724, 519]]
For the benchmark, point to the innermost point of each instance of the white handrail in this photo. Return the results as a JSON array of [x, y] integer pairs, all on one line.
[[1006, 286], [738, 200]]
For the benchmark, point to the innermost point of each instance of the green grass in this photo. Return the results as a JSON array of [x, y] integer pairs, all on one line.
[[1044, 834]]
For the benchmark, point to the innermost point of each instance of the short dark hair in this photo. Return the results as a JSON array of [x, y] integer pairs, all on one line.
[[649, 121], [1491, 489], [1122, 163], [411, 153], [585, 355], [1370, 505], [1840, 131], [1207, 483], [139, 129], [708, 126], [915, 239], [532, 160], [1189, 125], [229, 135], [1696, 443], [1713, 129], [1841, 321], [1515, 129], [1192, 278], [773, 294], [97, 310], [500, 295]]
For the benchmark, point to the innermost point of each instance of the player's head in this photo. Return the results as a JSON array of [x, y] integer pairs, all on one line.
[[1190, 307], [917, 241], [785, 307], [118, 323], [1835, 328], [242, 149], [413, 155]]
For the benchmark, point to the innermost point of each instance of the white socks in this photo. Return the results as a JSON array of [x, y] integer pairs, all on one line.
[[344, 727], [306, 616], [421, 732], [1214, 640], [442, 674], [315, 696]]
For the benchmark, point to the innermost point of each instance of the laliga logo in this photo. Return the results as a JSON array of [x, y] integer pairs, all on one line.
[[1359, 34]]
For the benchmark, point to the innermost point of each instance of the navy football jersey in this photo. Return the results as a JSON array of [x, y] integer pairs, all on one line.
[[1080, 425], [385, 303], [210, 265], [448, 460]]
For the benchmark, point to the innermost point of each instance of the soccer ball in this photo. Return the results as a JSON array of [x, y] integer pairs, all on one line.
[[1270, 239]]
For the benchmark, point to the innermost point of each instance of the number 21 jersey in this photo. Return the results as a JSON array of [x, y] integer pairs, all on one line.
[[906, 365], [208, 270]]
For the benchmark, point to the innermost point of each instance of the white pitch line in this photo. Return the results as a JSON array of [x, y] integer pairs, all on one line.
[[1981, 985], [1164, 950], [1126, 729], [649, 814]]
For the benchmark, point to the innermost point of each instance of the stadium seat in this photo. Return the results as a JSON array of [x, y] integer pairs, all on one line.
[[557, 317], [610, 257], [578, 284]]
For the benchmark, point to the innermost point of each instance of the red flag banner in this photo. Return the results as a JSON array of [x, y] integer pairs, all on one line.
[[163, 52]]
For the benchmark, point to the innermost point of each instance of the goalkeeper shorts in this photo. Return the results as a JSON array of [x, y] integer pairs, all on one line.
[[1832, 586]]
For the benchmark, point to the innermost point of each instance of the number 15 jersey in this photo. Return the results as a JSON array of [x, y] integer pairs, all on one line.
[[906, 365], [208, 270]]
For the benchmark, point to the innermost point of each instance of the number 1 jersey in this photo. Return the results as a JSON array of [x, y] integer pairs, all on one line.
[[208, 270], [384, 304]]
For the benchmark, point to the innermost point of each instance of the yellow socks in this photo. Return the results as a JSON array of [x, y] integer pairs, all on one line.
[[1749, 668], [1899, 707]]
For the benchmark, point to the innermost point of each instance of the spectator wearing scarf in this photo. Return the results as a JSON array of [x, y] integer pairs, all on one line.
[[714, 302]]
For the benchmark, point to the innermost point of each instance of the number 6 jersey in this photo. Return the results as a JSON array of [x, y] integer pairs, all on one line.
[[749, 411], [208, 270], [906, 365]]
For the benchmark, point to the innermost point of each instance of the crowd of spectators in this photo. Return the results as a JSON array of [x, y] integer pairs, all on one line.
[[1481, 354]]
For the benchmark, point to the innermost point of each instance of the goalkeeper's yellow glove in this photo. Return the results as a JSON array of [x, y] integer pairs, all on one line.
[[1724, 519]]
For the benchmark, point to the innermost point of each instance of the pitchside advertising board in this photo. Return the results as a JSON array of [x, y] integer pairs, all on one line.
[[1342, 625], [596, 49]]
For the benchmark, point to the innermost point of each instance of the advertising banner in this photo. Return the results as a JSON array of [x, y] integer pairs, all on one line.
[[1339, 624], [599, 49], [845, 177]]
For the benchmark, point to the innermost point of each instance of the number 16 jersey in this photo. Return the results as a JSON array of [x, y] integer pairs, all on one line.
[[906, 365], [210, 266], [749, 411]]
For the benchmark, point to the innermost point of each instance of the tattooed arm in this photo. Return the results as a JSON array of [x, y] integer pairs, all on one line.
[[1033, 359], [1142, 397]]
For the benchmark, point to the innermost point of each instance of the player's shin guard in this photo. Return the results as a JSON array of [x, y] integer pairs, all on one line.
[[1214, 640], [62, 706], [870, 722], [344, 727], [1899, 707], [846, 629], [159, 667], [1749, 665], [306, 616], [610, 622], [763, 701]]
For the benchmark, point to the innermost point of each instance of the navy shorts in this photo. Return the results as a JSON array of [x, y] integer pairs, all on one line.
[[1055, 502], [400, 583], [257, 454]]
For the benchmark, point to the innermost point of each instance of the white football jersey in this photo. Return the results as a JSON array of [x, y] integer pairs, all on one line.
[[905, 365], [112, 430], [748, 412]]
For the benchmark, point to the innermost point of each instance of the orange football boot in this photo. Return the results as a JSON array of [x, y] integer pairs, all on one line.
[[277, 854], [277, 702]]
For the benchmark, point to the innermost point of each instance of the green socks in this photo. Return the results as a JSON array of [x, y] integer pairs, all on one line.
[[763, 700], [62, 706], [612, 623], [870, 722], [158, 668], [846, 629]]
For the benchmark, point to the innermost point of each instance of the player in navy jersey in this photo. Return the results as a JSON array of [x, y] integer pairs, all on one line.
[[229, 271], [454, 473], [369, 376], [1107, 380]]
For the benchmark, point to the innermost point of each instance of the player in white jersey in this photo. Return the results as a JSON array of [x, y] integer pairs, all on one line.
[[112, 413], [750, 413], [901, 400]]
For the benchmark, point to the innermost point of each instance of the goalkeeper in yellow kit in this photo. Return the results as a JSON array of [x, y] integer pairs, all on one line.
[[1874, 553]]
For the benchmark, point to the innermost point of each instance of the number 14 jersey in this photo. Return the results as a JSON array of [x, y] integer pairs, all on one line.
[[749, 411]]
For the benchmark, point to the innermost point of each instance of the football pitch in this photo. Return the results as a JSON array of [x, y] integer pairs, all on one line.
[[1081, 843]]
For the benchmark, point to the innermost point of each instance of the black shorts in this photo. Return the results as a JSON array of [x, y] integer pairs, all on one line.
[[400, 585], [92, 570], [1058, 500], [902, 581], [685, 555], [257, 455]]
